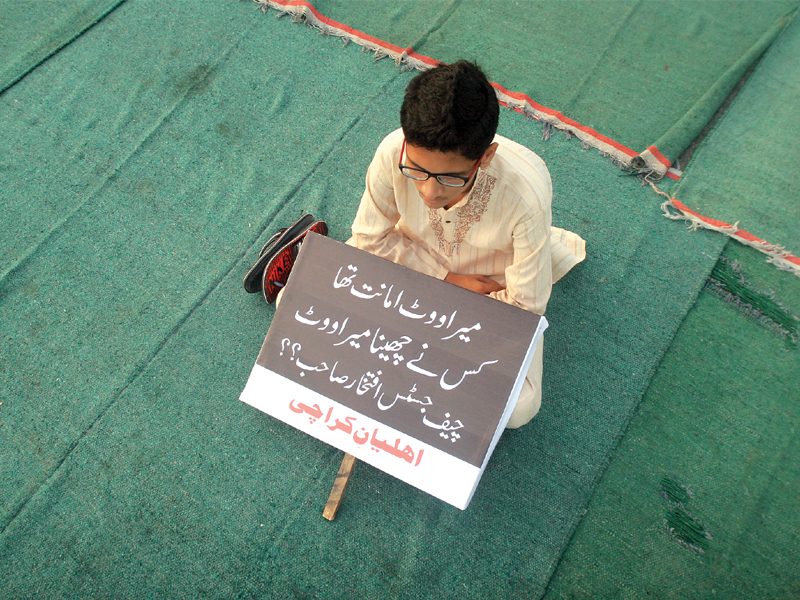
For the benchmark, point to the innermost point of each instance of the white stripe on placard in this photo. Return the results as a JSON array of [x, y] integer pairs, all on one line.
[[440, 474]]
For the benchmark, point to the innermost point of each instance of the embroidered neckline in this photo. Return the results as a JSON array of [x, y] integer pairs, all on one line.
[[466, 216]]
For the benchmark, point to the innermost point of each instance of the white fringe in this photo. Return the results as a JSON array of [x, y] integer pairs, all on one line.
[[777, 255], [407, 62]]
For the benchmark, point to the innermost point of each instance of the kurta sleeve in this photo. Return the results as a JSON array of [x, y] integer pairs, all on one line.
[[376, 227], [529, 277]]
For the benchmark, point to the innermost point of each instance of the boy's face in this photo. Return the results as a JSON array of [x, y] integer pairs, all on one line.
[[433, 193]]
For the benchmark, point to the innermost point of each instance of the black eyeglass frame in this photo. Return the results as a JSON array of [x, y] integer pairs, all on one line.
[[438, 176]]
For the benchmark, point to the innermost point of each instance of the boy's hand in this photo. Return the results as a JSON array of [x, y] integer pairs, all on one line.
[[475, 283]]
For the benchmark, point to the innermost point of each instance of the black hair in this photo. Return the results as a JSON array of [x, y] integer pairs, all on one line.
[[451, 108]]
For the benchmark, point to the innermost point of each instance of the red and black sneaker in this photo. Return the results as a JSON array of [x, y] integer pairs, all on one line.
[[277, 257]]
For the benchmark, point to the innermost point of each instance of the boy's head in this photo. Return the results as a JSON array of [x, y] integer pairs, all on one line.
[[451, 109]]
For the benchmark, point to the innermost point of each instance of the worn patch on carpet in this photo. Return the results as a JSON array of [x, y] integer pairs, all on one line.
[[685, 528], [728, 282]]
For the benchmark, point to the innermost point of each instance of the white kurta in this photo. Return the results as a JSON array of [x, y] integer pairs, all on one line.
[[500, 229]]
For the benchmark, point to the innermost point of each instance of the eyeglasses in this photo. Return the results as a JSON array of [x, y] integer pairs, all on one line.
[[447, 179]]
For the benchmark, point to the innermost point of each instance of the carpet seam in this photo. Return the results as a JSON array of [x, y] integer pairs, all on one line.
[[777, 255], [57, 50], [439, 23]]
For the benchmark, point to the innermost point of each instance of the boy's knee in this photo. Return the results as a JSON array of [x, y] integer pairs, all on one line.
[[530, 400]]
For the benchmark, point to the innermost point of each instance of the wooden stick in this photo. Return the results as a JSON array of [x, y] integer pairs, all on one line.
[[339, 486]]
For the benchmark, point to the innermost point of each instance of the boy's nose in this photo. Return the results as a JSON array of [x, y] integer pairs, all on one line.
[[431, 188]]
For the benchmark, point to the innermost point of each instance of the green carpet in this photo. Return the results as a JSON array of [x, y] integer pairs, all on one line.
[[637, 71], [745, 172], [700, 499], [139, 178], [153, 156], [33, 30]]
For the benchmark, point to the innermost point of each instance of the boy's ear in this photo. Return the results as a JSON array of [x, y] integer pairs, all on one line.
[[488, 155]]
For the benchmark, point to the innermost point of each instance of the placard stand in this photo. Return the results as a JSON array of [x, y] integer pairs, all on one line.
[[339, 486]]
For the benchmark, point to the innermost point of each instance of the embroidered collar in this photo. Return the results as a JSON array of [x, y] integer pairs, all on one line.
[[468, 212]]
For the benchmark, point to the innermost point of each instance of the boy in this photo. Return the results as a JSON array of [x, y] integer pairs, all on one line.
[[448, 197]]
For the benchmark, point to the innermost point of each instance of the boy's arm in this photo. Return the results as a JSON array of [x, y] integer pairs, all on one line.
[[375, 226], [529, 278]]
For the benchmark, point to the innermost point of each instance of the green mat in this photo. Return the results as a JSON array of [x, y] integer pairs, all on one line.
[[33, 30], [745, 171], [100, 269], [639, 72], [700, 498], [156, 153]]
